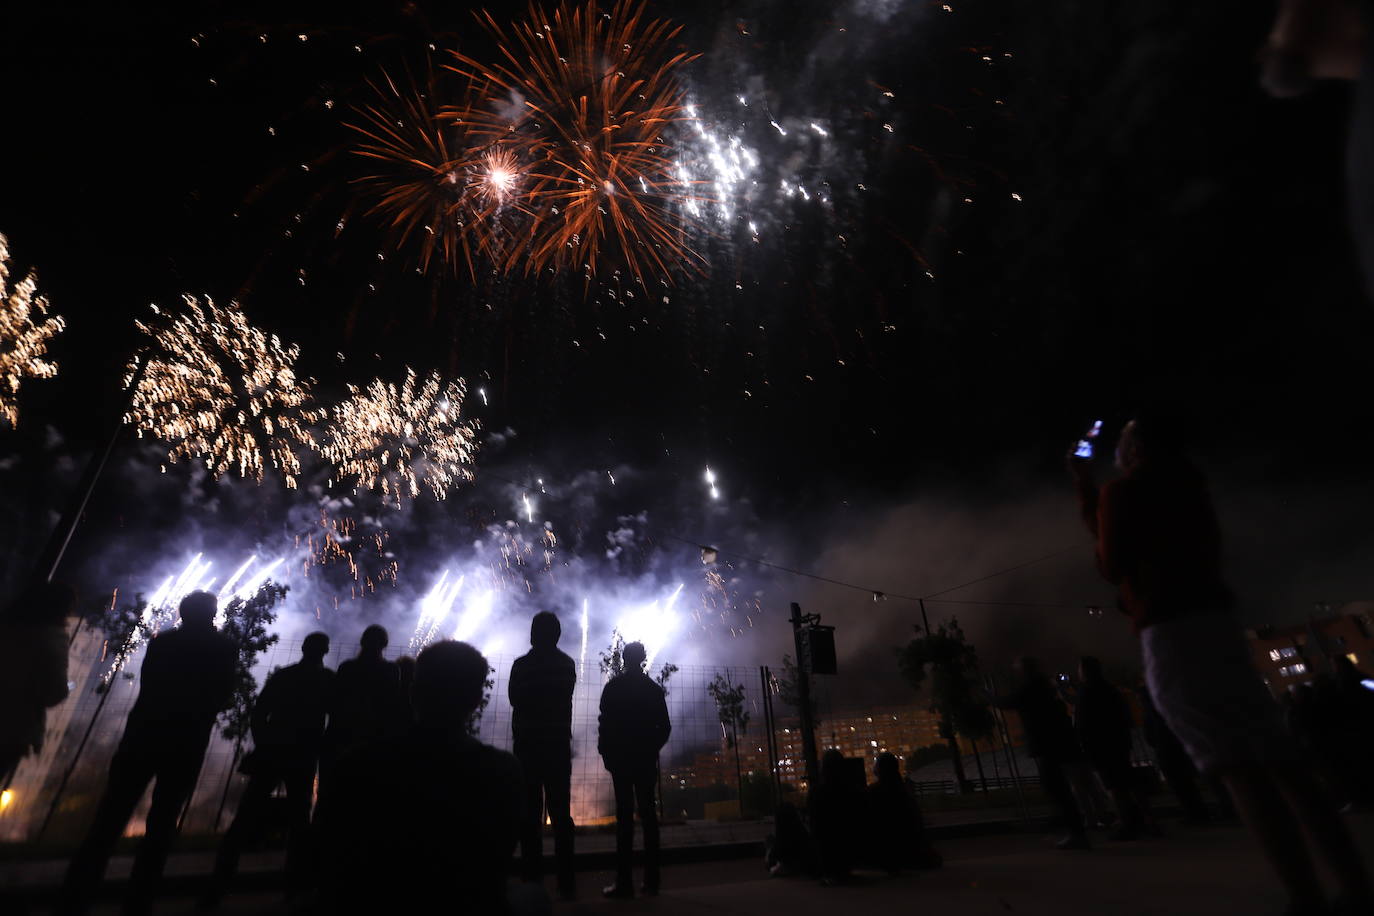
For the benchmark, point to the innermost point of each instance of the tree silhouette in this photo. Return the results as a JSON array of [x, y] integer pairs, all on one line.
[[951, 664], [734, 718], [245, 622]]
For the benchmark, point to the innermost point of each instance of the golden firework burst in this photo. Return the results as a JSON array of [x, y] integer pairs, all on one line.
[[23, 341], [395, 438], [222, 391]]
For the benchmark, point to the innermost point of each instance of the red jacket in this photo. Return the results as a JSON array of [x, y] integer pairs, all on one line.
[[1159, 542]]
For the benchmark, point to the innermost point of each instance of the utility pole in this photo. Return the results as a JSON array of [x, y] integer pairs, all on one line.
[[808, 727]]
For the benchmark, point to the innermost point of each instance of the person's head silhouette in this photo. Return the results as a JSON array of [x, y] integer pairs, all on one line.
[[887, 769], [315, 647], [634, 656], [1153, 437], [545, 630], [449, 679], [374, 640], [832, 767], [197, 610]]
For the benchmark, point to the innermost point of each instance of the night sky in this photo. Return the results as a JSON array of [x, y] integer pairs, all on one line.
[[1022, 217]]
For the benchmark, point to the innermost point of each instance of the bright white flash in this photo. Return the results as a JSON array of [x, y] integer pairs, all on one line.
[[653, 625], [711, 483], [529, 507], [435, 608], [475, 613]]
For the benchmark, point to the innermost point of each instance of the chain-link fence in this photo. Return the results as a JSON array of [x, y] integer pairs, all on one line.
[[721, 763]]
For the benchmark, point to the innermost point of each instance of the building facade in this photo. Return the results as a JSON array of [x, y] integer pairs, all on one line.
[[1287, 656]]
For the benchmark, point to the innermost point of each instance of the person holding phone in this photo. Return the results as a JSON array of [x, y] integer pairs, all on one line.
[[1159, 542]]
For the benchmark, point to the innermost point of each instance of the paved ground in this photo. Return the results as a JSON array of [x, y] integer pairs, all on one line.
[[1204, 871]]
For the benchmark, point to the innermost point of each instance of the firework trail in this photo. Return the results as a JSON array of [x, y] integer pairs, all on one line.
[[394, 439], [23, 342], [222, 391], [589, 102]]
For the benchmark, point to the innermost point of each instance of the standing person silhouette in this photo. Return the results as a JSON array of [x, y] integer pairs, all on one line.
[[541, 691], [428, 817], [1102, 720], [288, 728], [187, 678], [634, 727], [1050, 739], [367, 704], [1159, 542]]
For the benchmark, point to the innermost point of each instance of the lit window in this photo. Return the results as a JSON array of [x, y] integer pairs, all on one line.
[[1293, 670], [1353, 659], [1274, 655], [1288, 652]]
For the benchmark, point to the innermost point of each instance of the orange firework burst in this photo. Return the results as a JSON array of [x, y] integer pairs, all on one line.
[[587, 102], [435, 186]]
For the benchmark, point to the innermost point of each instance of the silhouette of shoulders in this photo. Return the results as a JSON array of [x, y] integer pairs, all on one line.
[[430, 815], [186, 679], [634, 722], [541, 690]]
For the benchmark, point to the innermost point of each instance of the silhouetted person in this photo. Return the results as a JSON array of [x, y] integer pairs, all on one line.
[[541, 691], [1172, 761], [1351, 714], [634, 727], [187, 677], [430, 816], [367, 705], [1103, 722], [836, 805], [1159, 542], [288, 728], [33, 670], [896, 829], [790, 851], [1050, 739]]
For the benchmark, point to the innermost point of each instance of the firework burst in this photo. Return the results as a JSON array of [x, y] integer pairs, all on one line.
[[23, 341], [589, 102], [394, 438], [222, 391], [438, 190]]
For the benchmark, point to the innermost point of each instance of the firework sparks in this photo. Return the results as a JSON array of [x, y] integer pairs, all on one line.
[[23, 342], [591, 99], [225, 392], [429, 186], [434, 610], [394, 439], [711, 483]]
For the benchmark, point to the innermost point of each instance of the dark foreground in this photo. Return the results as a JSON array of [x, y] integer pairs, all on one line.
[[1198, 871]]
